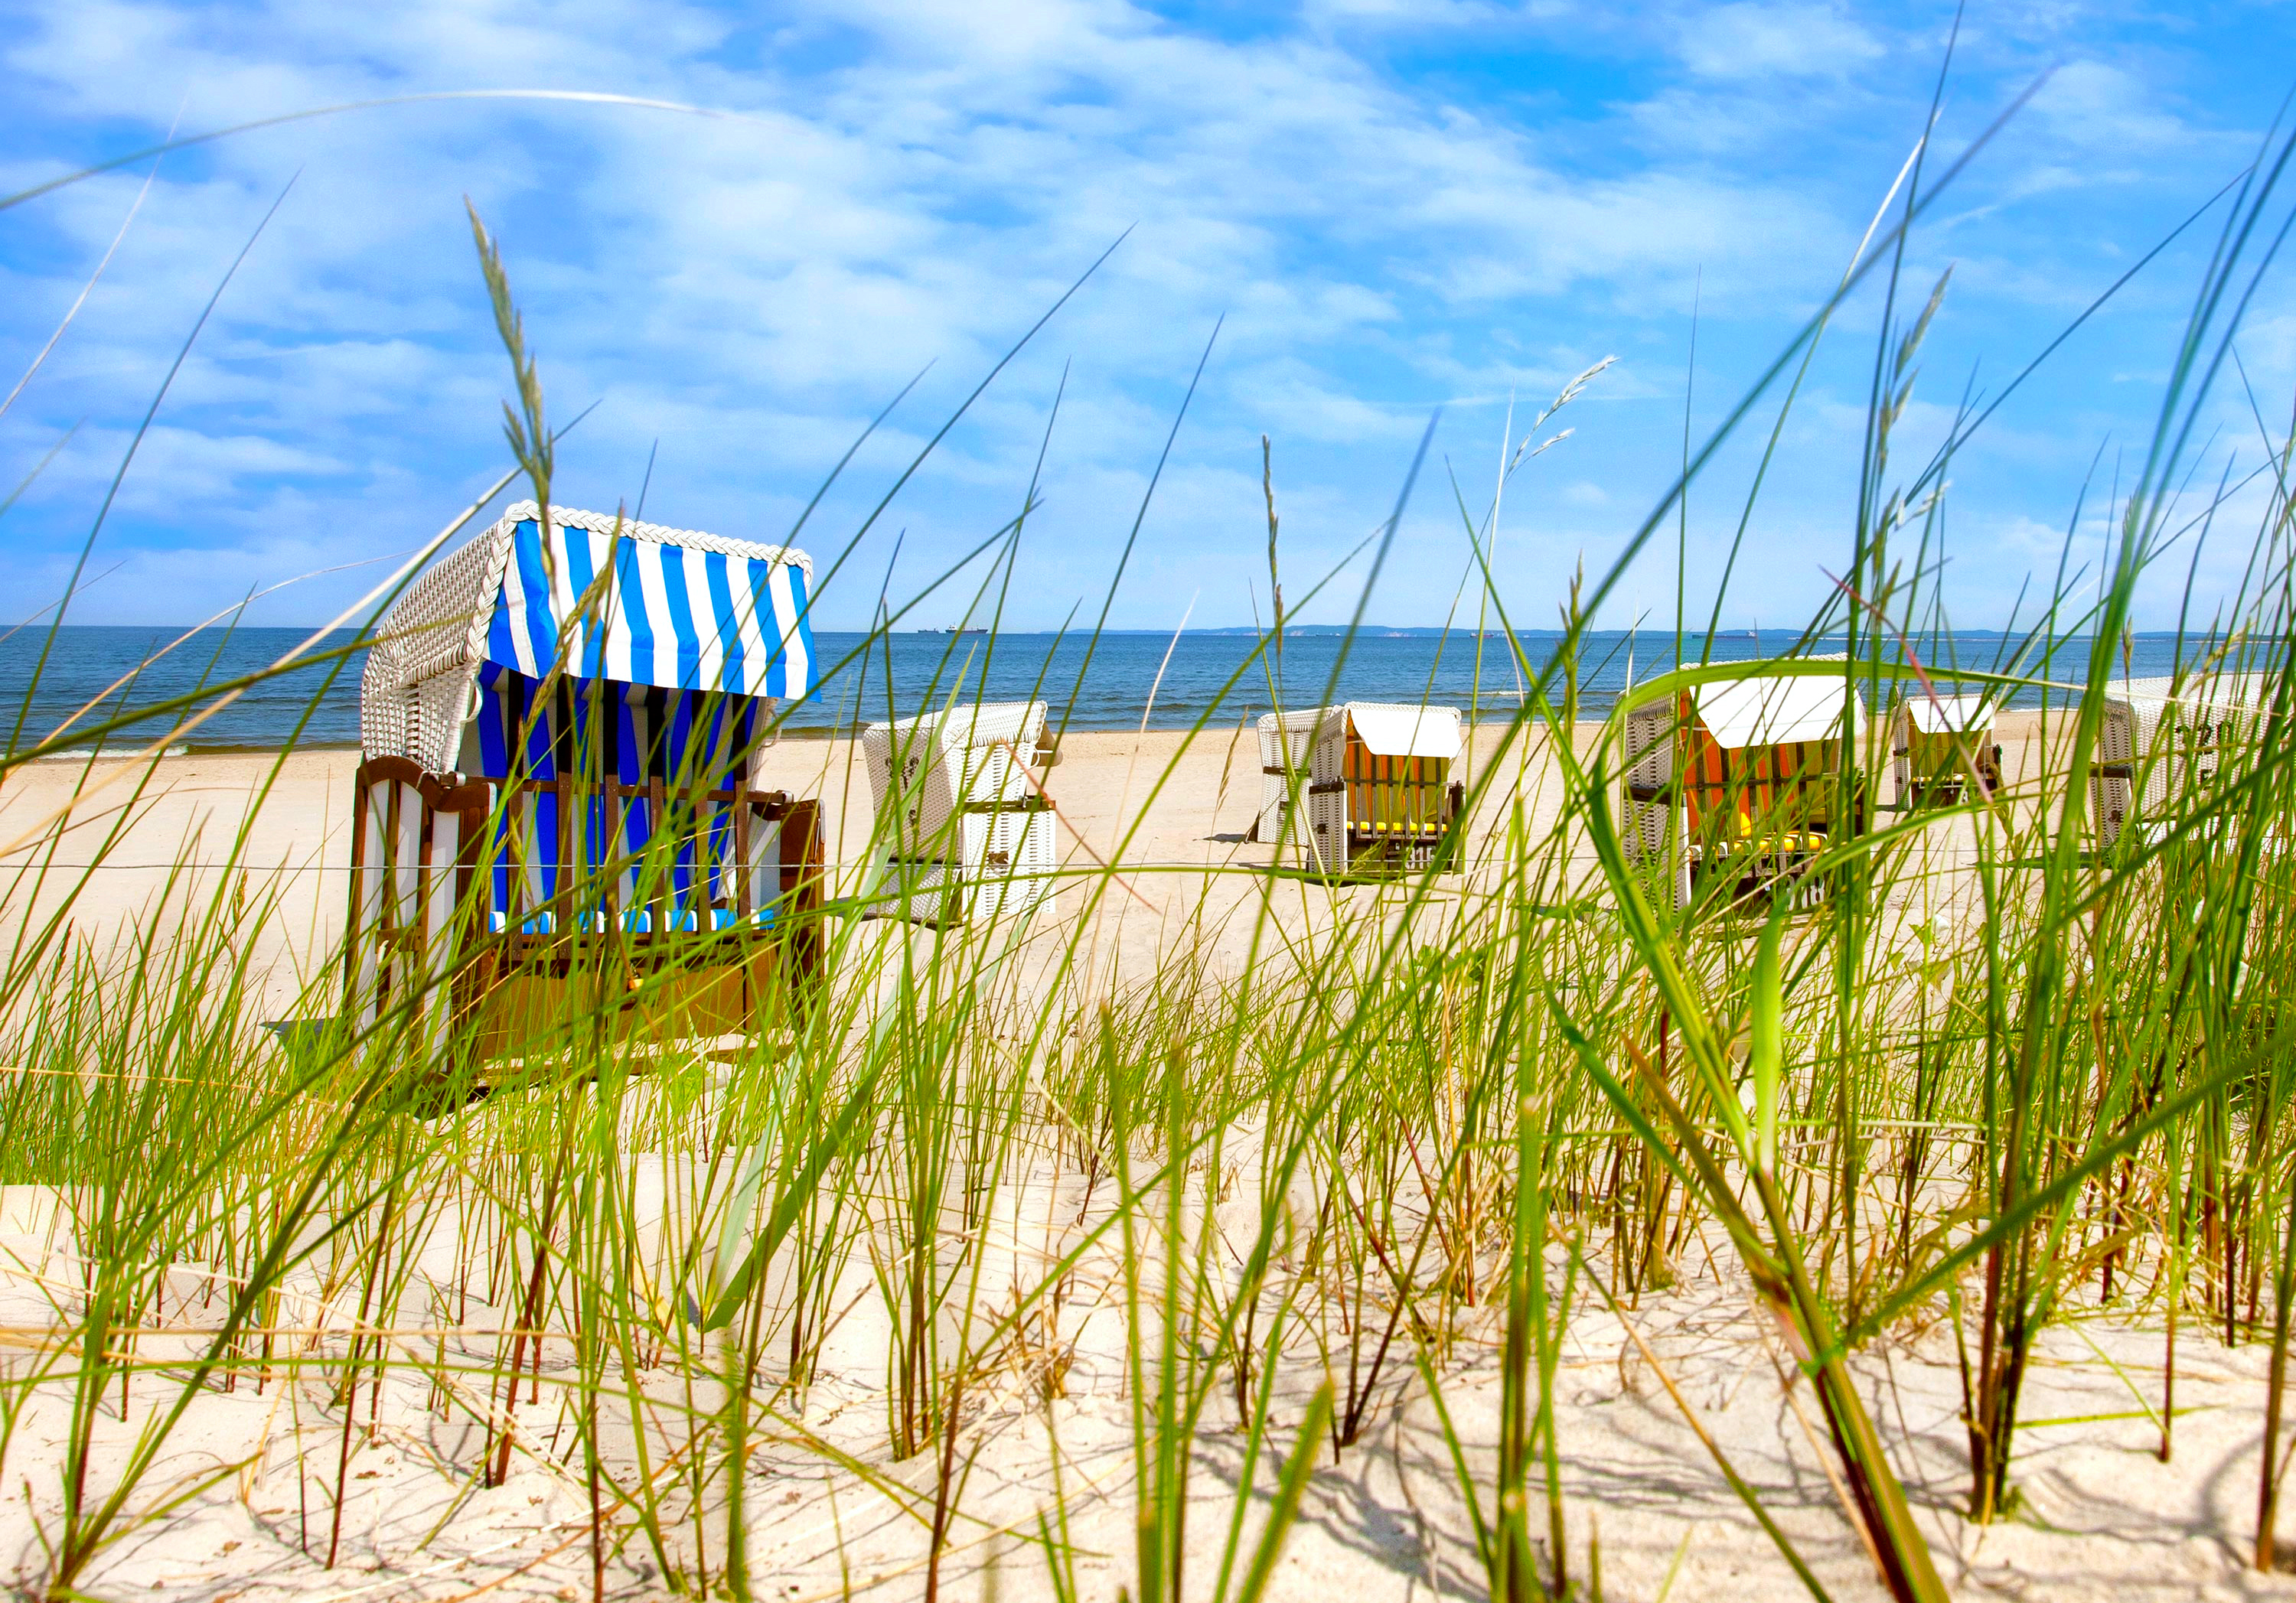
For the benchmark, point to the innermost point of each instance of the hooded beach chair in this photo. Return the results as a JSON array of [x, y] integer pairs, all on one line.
[[1287, 742], [555, 807], [2163, 738], [1381, 798], [963, 829], [1740, 783], [1938, 744]]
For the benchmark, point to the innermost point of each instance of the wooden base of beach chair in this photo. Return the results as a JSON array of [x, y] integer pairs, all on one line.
[[419, 936], [537, 1024], [546, 1007]]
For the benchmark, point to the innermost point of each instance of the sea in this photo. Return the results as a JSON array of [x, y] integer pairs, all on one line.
[[81, 679]]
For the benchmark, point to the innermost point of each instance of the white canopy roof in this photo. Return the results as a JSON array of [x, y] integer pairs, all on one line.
[[1764, 711], [971, 723], [1406, 732], [594, 594], [2196, 690], [1947, 715]]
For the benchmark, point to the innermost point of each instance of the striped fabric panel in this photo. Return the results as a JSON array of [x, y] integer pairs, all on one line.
[[669, 616], [634, 738], [1706, 790], [501, 711], [684, 736], [1391, 794], [1757, 787], [514, 733]]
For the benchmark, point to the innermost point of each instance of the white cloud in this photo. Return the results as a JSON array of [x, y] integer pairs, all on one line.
[[2106, 110], [1747, 40], [1407, 15]]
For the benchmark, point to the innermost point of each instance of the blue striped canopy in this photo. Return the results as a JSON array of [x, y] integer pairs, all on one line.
[[677, 616]]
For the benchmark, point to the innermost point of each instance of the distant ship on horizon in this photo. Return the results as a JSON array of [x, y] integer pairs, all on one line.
[[956, 629]]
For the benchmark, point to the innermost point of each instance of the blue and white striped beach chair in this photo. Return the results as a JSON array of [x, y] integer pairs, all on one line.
[[559, 723]]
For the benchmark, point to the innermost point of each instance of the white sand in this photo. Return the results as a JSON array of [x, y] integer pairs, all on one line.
[[2102, 1519]]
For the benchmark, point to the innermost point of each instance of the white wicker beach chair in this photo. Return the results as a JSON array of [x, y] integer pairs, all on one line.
[[1287, 743], [1381, 798], [1934, 741], [962, 832], [2163, 736]]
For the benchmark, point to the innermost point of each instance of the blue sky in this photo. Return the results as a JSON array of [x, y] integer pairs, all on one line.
[[1395, 205]]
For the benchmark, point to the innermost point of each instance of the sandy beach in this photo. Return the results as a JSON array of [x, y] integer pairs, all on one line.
[[832, 1514]]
